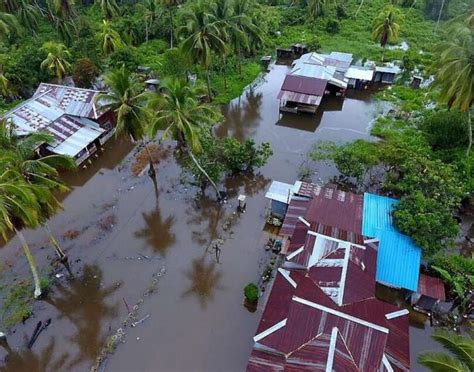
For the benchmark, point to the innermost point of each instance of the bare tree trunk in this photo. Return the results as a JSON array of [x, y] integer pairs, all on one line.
[[225, 73], [208, 82], [172, 28], [469, 131], [360, 6], [239, 59], [205, 174], [146, 31], [439, 15], [31, 262], [63, 258]]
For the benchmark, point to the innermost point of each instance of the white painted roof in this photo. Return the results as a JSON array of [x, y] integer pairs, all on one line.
[[77, 141], [359, 73], [281, 191]]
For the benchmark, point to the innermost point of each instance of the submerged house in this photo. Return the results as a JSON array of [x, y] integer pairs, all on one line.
[[369, 215], [71, 115], [386, 74], [311, 77], [322, 313]]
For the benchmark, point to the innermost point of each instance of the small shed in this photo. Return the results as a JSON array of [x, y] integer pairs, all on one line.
[[301, 94], [416, 82], [153, 85], [359, 77], [280, 194], [299, 49], [386, 74], [284, 53], [429, 293]]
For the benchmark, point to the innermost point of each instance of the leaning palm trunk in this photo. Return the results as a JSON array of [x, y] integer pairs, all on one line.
[[151, 169], [63, 258], [208, 82], [31, 262], [360, 6], [469, 131], [439, 15], [205, 174], [172, 28]]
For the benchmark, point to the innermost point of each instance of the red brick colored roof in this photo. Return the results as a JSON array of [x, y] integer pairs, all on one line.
[[304, 85], [431, 287]]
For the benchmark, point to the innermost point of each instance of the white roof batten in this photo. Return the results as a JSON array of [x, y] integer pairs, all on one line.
[[386, 363], [304, 221], [397, 314], [270, 330], [340, 314], [347, 254], [295, 253], [286, 275], [332, 349]]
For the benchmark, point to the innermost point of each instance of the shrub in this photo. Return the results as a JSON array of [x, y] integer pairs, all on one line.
[[251, 292], [341, 11], [427, 221], [333, 26], [124, 56], [85, 72], [446, 129], [245, 156]]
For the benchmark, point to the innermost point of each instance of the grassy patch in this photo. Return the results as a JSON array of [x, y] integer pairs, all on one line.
[[18, 304], [355, 33], [235, 83]]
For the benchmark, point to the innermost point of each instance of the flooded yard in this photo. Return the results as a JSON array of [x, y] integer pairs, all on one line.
[[129, 248]]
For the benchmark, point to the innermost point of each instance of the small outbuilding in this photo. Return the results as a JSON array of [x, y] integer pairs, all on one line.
[[301, 94], [429, 294], [386, 74], [359, 77], [280, 194]]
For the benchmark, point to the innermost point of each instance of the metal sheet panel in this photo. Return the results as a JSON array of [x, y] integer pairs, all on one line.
[[431, 287], [398, 262]]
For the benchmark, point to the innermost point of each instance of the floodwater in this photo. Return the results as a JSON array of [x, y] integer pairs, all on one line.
[[128, 248]]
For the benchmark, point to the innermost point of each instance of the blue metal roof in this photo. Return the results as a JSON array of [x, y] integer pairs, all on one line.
[[398, 259]]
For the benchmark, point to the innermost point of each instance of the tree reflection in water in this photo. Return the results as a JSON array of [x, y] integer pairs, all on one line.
[[83, 302], [29, 361], [242, 118], [205, 280], [158, 232]]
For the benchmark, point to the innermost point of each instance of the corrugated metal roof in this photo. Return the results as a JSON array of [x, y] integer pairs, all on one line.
[[360, 73], [280, 191], [306, 99], [305, 85], [431, 287], [398, 263], [64, 112], [333, 207], [388, 69]]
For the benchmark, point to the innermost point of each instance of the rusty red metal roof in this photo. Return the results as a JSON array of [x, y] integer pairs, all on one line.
[[431, 287], [304, 85], [340, 209], [322, 308]]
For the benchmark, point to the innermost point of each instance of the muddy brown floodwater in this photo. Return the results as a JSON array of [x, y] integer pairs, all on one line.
[[118, 236]]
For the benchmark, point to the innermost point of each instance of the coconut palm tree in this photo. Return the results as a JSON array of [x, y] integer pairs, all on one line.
[[127, 99], [18, 208], [455, 71], [244, 33], [151, 10], [386, 26], [21, 151], [26, 13], [62, 8], [56, 61], [315, 7], [8, 25], [109, 38], [460, 358], [171, 5], [182, 116], [109, 8], [203, 36]]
